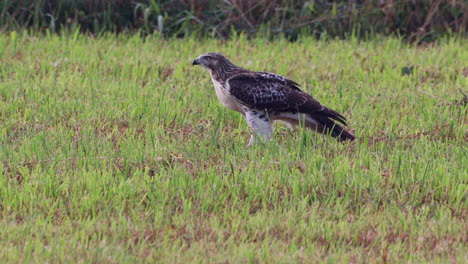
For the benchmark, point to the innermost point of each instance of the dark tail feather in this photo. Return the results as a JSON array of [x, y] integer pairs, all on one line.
[[341, 134], [328, 126]]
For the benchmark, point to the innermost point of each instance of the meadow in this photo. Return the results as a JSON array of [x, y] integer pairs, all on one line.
[[114, 149]]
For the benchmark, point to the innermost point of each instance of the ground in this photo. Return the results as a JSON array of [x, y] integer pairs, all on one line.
[[116, 149]]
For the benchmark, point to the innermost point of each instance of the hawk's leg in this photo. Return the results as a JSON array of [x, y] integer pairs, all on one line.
[[260, 124]]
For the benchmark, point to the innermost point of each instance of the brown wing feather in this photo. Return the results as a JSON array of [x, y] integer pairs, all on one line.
[[268, 91], [292, 84], [276, 94]]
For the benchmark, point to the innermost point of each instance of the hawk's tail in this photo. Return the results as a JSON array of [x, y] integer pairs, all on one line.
[[339, 132], [327, 124]]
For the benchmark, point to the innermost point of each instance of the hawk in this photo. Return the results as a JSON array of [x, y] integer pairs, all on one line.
[[264, 97]]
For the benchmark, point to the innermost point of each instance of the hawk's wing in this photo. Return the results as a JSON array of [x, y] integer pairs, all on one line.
[[272, 92]]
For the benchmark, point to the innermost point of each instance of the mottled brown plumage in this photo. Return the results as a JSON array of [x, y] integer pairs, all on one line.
[[264, 97]]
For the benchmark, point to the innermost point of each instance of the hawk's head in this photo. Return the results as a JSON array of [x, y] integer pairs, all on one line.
[[211, 60]]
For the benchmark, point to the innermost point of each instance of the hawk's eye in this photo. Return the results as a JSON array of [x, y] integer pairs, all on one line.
[[207, 58]]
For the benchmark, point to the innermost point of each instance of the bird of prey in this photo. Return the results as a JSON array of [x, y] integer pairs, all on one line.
[[264, 97]]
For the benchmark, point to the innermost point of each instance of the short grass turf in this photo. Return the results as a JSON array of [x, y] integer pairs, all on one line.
[[115, 149]]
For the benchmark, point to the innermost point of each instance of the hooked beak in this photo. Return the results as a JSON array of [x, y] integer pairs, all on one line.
[[196, 62]]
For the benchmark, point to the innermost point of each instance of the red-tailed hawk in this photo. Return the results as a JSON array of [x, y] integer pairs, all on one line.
[[264, 97]]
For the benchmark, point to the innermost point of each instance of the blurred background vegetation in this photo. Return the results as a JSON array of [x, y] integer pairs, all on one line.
[[415, 20]]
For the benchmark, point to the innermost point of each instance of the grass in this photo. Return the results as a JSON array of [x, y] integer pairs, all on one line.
[[116, 149]]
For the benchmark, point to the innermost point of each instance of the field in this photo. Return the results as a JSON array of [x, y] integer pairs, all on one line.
[[115, 149]]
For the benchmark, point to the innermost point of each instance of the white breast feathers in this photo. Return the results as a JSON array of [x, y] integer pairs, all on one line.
[[225, 97]]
